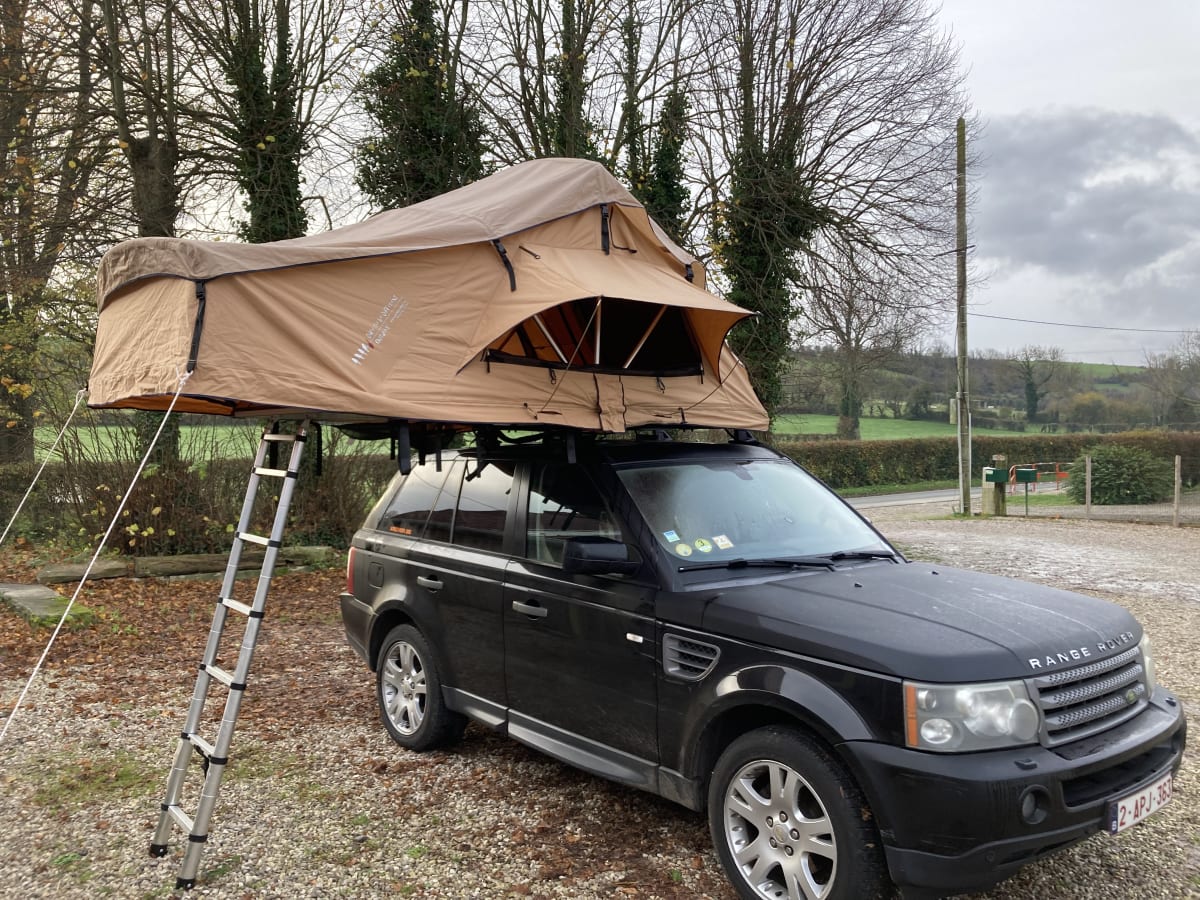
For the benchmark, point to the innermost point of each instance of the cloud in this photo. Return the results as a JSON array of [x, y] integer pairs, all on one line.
[[1087, 192], [1103, 204]]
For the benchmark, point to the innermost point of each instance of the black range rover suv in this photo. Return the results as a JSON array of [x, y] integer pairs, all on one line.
[[710, 623]]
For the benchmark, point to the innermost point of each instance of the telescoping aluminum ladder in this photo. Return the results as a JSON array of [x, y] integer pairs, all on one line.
[[215, 755]]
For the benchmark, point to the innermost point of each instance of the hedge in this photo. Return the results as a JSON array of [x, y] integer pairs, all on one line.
[[844, 464], [191, 508]]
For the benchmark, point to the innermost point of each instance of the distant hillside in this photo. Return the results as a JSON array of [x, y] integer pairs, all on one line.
[[919, 386]]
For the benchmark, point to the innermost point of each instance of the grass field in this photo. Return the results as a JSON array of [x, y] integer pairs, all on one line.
[[199, 442], [876, 429]]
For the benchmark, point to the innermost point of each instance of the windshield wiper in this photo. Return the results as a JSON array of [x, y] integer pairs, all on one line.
[[863, 554], [786, 562]]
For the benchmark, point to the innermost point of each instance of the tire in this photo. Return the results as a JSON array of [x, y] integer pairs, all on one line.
[[408, 688], [789, 823]]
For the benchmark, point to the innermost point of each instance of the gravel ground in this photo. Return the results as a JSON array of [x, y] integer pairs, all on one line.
[[319, 803]]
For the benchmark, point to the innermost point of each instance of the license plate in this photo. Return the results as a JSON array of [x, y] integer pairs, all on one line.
[[1132, 809]]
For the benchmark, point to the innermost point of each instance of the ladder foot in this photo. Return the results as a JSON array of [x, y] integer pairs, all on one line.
[[158, 850], [184, 884]]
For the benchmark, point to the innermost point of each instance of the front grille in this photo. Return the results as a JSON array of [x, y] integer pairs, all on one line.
[[1089, 699], [686, 659]]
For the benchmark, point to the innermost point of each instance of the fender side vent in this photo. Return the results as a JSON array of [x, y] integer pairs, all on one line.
[[689, 660]]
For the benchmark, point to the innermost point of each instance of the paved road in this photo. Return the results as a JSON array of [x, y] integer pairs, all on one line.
[[949, 495]]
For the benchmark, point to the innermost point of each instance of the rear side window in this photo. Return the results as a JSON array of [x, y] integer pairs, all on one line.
[[409, 507], [441, 517], [565, 503], [483, 507]]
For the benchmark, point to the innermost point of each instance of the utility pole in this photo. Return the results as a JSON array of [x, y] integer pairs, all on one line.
[[962, 398]]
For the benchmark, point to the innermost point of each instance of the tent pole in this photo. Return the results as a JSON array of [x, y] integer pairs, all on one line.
[[645, 337]]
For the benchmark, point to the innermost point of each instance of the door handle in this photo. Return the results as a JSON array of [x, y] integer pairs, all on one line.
[[433, 584], [533, 610]]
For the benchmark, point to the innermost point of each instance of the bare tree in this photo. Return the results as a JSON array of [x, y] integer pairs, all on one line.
[[867, 316], [829, 135], [1037, 368], [138, 50], [276, 76], [559, 77], [1174, 380], [54, 201], [140, 64]]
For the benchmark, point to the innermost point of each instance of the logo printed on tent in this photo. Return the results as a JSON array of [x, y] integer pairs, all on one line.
[[391, 311]]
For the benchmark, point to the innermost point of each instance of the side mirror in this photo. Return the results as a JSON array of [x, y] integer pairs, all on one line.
[[599, 556]]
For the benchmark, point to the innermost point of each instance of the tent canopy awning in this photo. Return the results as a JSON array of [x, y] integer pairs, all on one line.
[[623, 316], [542, 294]]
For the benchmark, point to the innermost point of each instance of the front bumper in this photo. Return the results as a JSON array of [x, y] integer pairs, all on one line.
[[953, 823]]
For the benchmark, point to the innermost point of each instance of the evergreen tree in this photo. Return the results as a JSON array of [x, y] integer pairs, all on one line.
[[760, 230], [571, 133], [428, 135], [654, 168], [267, 129], [631, 107], [665, 195]]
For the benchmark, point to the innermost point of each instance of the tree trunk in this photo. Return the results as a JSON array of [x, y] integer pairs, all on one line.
[[152, 163]]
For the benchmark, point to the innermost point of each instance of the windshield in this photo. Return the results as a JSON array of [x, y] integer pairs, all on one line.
[[754, 509]]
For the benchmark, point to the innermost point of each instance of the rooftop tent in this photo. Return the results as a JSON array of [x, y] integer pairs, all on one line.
[[541, 295]]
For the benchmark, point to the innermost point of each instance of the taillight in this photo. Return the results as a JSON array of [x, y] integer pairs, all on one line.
[[350, 571]]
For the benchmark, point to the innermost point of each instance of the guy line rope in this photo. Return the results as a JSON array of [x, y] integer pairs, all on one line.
[[183, 377], [78, 399]]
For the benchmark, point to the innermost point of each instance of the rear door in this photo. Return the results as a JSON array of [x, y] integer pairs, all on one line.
[[457, 571], [579, 661]]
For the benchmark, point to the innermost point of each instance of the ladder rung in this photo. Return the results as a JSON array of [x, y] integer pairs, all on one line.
[[220, 674], [197, 824], [182, 819], [237, 606], [202, 745]]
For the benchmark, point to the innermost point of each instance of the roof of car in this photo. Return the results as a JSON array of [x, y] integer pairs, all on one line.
[[617, 451]]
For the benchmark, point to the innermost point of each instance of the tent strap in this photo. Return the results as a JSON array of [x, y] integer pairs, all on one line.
[[512, 276], [201, 302], [604, 239], [403, 439]]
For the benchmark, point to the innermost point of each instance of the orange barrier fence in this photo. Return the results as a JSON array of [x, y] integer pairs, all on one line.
[[1047, 473]]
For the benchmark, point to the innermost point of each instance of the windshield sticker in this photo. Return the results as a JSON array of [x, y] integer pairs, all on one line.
[[702, 545], [722, 542], [671, 536], [683, 549]]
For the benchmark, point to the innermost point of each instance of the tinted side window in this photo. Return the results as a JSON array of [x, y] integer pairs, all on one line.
[[441, 519], [483, 506], [410, 505], [564, 503]]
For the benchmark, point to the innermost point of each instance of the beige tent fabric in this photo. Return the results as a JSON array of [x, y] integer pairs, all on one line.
[[401, 316]]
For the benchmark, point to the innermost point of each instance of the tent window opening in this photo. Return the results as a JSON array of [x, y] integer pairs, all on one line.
[[617, 337]]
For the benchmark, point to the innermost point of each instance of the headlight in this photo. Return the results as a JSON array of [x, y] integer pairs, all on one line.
[[1148, 665], [961, 717]]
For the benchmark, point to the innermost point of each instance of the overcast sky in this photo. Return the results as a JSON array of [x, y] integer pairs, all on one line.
[[1088, 192]]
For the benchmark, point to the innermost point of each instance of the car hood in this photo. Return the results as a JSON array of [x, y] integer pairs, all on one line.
[[924, 622]]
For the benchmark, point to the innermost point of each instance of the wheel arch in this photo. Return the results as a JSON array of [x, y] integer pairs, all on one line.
[[770, 695], [390, 614]]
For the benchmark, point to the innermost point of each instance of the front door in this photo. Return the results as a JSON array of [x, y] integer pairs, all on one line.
[[579, 649]]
